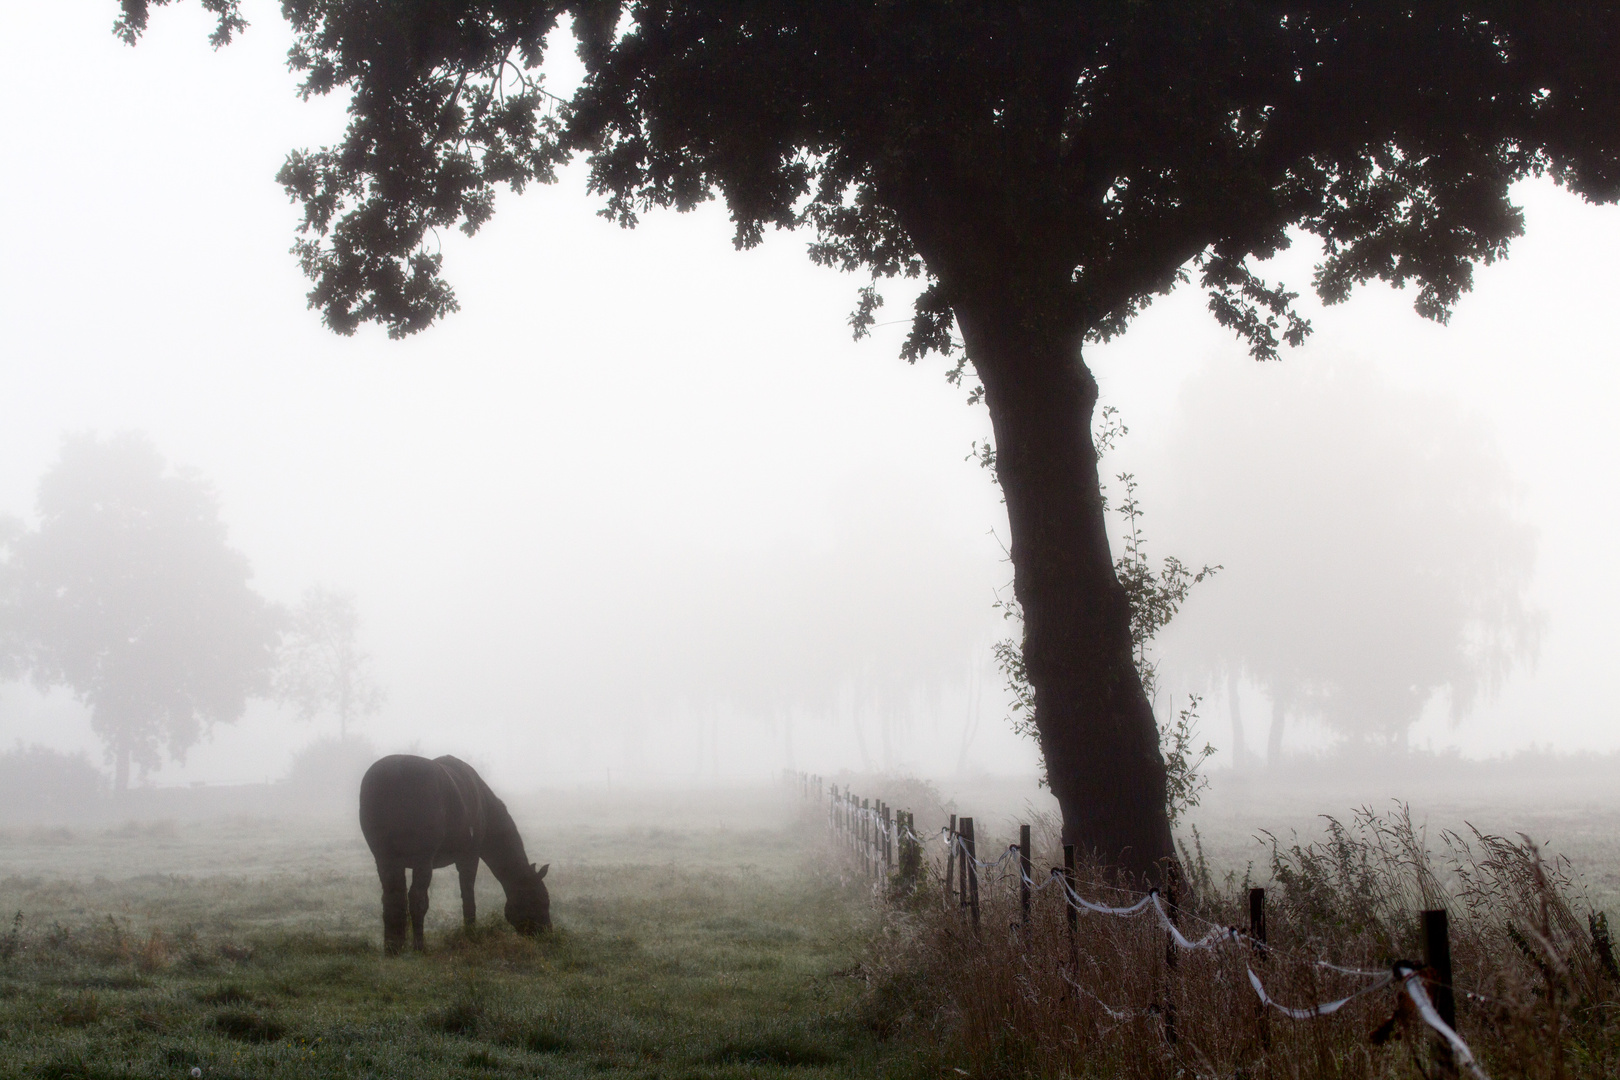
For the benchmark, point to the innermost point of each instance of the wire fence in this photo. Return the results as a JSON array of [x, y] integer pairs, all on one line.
[[886, 845]]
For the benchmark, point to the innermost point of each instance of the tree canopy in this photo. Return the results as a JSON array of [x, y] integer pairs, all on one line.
[[129, 595], [1118, 143], [1044, 169]]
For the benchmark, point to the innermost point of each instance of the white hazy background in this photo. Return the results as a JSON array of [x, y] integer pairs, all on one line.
[[643, 506]]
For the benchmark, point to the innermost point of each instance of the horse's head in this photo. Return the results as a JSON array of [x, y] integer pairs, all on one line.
[[528, 905]]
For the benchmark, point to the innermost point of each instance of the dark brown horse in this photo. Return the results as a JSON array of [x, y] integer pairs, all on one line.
[[419, 815]]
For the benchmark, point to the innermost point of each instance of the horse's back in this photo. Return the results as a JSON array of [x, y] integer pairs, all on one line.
[[403, 811]]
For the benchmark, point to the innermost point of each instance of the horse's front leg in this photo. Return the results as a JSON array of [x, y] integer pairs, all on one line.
[[394, 906], [468, 870], [421, 878]]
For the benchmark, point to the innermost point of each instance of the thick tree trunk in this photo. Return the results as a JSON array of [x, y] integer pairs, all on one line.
[[121, 768], [1096, 727]]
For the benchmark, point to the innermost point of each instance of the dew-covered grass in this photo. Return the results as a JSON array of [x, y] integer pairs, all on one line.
[[712, 944]]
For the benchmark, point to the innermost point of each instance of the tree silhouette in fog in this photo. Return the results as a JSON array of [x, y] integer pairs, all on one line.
[[1044, 169], [11, 640], [129, 595], [1373, 554], [321, 665]]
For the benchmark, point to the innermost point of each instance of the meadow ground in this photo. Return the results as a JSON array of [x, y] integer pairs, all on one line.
[[708, 935], [708, 944]]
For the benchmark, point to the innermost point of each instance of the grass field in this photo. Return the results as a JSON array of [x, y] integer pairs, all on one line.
[[696, 936], [250, 948]]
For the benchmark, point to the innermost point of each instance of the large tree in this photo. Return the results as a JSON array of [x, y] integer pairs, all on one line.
[[128, 594], [1045, 167]]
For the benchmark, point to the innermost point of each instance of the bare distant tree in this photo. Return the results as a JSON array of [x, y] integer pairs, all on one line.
[[128, 594], [322, 665], [1374, 557]]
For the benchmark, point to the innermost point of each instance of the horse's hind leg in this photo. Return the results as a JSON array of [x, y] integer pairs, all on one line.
[[421, 878], [394, 906], [468, 872]]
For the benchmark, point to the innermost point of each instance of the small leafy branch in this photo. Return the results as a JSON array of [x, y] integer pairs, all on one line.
[[1183, 783], [1155, 597]]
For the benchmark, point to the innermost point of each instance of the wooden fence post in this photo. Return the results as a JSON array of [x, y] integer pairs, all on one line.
[[1437, 955], [910, 855], [889, 819], [1023, 874], [866, 836], [1257, 939], [874, 824], [970, 871], [877, 837], [1068, 901], [888, 840], [950, 860], [1172, 955]]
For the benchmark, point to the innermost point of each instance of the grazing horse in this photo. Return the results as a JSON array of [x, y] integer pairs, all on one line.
[[419, 815]]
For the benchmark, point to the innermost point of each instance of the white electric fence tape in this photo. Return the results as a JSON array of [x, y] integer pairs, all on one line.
[[1313, 1011], [1409, 978], [1412, 982]]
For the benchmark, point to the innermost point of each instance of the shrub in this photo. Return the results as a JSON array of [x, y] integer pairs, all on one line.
[[328, 771], [40, 784]]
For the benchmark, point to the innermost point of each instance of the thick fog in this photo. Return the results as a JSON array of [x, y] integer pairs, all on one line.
[[642, 511]]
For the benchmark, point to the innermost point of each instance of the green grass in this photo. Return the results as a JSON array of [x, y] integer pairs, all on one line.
[[708, 952]]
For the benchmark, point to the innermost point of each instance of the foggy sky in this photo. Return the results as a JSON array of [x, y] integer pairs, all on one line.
[[642, 482]]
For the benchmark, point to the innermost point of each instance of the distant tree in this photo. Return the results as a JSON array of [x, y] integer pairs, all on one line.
[[1373, 554], [1045, 169], [129, 595], [11, 641], [321, 665]]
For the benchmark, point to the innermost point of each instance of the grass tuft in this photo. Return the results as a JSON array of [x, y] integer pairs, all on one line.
[[461, 1017], [229, 994], [247, 1026], [82, 1010], [789, 1046]]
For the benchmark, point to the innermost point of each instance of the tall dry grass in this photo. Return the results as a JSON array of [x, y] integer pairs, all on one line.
[[1534, 973]]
